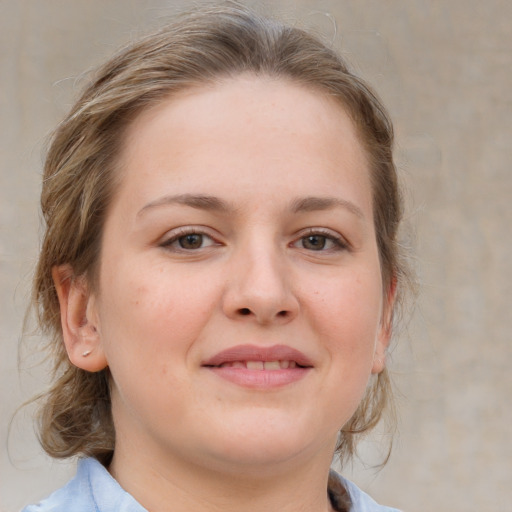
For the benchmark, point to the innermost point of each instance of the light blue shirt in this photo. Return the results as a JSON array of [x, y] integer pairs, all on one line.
[[94, 490]]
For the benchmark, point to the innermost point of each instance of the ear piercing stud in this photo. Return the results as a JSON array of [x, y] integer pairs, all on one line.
[[86, 353]]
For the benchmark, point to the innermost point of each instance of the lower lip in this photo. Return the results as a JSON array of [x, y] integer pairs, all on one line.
[[260, 379]]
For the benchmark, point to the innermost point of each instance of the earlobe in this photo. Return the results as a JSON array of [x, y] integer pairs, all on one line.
[[379, 357], [385, 329], [381, 347], [79, 320]]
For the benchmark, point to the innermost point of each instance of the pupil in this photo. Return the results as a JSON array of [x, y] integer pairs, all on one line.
[[192, 241], [314, 242]]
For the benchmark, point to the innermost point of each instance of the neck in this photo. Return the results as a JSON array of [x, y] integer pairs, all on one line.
[[182, 486]]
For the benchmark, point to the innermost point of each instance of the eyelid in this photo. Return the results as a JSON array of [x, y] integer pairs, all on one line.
[[342, 244], [174, 235]]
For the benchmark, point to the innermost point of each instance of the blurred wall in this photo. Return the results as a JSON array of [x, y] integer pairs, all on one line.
[[444, 70]]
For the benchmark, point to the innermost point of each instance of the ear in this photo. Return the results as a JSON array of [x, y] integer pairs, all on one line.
[[385, 329], [79, 319]]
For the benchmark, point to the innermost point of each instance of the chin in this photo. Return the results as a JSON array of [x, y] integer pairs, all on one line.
[[268, 444]]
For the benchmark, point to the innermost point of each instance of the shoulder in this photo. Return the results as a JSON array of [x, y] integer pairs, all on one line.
[[74, 496], [360, 501], [92, 488]]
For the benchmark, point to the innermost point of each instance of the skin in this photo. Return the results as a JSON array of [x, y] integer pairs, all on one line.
[[188, 439]]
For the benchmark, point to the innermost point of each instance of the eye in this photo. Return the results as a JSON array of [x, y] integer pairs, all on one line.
[[191, 241], [316, 240], [188, 240]]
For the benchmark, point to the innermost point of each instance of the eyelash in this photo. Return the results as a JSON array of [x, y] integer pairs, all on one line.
[[181, 233], [339, 243]]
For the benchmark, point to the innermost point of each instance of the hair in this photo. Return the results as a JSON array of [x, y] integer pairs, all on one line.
[[201, 47]]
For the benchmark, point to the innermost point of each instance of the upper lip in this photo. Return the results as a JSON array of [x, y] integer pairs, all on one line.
[[258, 353]]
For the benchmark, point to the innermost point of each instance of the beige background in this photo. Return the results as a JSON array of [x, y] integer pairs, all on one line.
[[444, 70]]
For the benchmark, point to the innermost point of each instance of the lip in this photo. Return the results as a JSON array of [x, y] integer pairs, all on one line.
[[257, 353], [259, 379]]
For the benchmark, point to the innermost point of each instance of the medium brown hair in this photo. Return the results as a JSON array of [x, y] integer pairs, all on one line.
[[80, 180]]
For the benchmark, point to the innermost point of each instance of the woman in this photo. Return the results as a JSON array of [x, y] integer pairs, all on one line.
[[219, 273]]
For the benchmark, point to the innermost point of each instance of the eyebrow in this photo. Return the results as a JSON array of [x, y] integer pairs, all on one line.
[[312, 203], [201, 202], [212, 203]]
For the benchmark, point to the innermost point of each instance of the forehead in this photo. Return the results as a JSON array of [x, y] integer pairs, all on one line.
[[277, 102], [245, 129]]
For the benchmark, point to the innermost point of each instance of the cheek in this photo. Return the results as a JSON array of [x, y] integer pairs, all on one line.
[[147, 313], [347, 315], [148, 326]]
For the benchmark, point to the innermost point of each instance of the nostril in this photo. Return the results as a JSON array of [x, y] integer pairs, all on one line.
[[247, 312]]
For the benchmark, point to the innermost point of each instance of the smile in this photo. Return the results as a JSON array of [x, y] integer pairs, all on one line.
[[260, 365], [255, 357], [257, 367]]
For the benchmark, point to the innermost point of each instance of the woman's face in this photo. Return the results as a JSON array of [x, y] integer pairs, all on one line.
[[240, 297]]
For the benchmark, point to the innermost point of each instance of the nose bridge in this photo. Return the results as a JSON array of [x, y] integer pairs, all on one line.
[[259, 284]]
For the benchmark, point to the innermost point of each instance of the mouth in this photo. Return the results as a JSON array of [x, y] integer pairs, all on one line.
[[253, 357], [259, 367]]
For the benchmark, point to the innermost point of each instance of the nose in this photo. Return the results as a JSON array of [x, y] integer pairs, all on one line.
[[259, 287]]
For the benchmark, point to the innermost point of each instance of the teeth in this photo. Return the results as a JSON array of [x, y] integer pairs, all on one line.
[[234, 364], [260, 365], [255, 365]]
